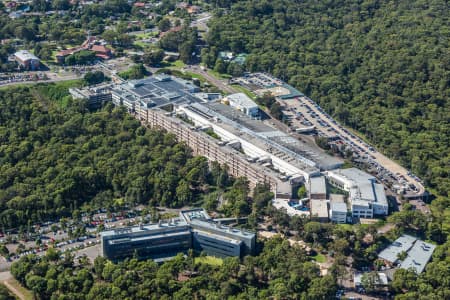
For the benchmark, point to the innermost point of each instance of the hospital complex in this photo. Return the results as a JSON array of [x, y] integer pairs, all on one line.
[[249, 146]]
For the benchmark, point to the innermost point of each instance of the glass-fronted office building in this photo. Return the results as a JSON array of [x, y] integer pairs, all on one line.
[[194, 229]]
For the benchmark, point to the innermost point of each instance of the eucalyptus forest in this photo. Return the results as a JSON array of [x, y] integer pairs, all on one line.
[[380, 67]]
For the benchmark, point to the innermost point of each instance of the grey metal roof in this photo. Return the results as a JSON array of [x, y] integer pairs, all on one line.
[[213, 227], [158, 90], [363, 186], [174, 223], [270, 135], [133, 238], [25, 55], [318, 185], [319, 208], [219, 237], [338, 207], [355, 174], [418, 256], [403, 243], [242, 100], [380, 196]]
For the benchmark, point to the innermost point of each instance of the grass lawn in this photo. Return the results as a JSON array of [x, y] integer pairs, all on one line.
[[16, 285], [210, 260], [141, 44], [64, 85], [242, 89], [219, 75], [142, 36], [178, 64], [347, 227], [53, 56], [193, 75], [168, 215], [320, 258]]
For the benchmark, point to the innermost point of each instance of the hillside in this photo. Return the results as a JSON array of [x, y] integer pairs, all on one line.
[[380, 67], [58, 159]]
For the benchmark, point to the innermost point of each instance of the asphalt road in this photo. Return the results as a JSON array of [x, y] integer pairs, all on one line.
[[201, 22], [221, 84], [65, 78]]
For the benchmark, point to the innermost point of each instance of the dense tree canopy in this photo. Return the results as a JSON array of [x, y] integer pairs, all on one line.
[[54, 160], [379, 66], [279, 272]]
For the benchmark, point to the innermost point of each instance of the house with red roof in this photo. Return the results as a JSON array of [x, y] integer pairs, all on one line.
[[90, 44]]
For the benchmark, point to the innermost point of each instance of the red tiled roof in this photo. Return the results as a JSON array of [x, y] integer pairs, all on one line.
[[68, 51], [103, 56], [173, 29], [100, 48]]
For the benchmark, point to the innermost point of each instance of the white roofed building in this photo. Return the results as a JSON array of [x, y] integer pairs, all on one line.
[[366, 197], [382, 279], [27, 60], [338, 212], [317, 188], [243, 103]]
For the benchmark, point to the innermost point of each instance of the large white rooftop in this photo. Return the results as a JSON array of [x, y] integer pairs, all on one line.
[[241, 100], [362, 187], [25, 55]]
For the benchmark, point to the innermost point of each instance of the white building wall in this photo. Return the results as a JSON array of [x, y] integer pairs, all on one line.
[[359, 211], [380, 209], [338, 216]]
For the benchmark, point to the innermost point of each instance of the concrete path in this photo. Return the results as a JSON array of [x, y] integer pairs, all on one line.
[[4, 278]]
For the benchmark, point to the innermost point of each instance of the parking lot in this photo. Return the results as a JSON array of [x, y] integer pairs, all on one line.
[[305, 116], [56, 235]]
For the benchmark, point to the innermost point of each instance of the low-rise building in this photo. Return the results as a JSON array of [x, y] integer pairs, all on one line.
[[101, 51], [319, 209], [27, 60], [91, 44], [317, 188], [243, 103], [366, 197], [418, 256], [408, 252], [381, 281], [338, 212]]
